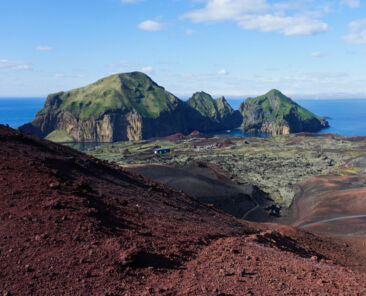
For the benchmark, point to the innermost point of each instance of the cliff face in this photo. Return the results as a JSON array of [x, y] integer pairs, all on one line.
[[120, 107], [276, 114], [217, 114]]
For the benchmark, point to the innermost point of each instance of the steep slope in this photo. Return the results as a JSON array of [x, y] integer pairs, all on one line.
[[127, 106], [276, 114], [75, 225], [217, 114]]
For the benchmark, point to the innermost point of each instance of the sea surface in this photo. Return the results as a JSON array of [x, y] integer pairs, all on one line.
[[346, 117], [18, 111]]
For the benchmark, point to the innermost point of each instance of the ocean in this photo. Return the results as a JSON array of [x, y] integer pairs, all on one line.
[[346, 117], [18, 111]]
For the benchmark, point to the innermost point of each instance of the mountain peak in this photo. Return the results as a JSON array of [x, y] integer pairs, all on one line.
[[274, 92]]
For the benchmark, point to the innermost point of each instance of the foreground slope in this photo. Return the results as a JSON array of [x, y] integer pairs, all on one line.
[[74, 225], [276, 114]]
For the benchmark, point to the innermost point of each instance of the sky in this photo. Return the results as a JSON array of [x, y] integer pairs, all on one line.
[[237, 48]]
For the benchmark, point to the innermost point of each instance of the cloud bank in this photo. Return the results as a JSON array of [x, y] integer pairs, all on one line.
[[262, 16], [357, 34]]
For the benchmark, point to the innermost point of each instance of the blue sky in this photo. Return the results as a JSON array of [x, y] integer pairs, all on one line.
[[305, 48]]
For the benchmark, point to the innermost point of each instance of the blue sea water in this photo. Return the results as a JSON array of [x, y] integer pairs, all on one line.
[[18, 111], [346, 117]]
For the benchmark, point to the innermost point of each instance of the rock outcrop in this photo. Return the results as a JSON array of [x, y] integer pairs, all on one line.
[[217, 114], [276, 114]]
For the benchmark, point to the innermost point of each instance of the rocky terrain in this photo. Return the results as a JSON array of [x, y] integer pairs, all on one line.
[[75, 225], [276, 114], [131, 106], [275, 165]]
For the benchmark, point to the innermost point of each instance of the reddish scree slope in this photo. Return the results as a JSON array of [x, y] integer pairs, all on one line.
[[74, 225]]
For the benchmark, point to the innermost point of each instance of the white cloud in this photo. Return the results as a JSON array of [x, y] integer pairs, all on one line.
[[317, 54], [357, 25], [151, 26], [289, 26], [222, 72], [351, 3], [189, 31], [21, 67], [43, 48], [357, 33], [147, 69], [59, 75], [221, 10], [262, 16], [14, 65]]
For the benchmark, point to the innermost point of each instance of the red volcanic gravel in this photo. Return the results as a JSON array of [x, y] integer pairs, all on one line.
[[74, 225]]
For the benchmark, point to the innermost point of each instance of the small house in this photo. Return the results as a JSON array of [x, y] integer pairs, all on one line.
[[162, 150]]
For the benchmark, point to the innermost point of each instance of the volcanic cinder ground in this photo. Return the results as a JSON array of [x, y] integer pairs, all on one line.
[[310, 180], [71, 224]]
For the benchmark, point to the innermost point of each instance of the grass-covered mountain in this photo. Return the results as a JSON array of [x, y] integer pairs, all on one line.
[[218, 114], [131, 106], [127, 106], [276, 114]]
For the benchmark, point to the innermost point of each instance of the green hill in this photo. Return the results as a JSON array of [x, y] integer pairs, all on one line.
[[128, 106], [274, 113], [218, 113], [128, 91]]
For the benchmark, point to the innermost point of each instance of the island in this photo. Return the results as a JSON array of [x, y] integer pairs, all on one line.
[[276, 114]]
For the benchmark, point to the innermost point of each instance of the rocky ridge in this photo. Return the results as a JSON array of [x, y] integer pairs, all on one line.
[[217, 114]]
